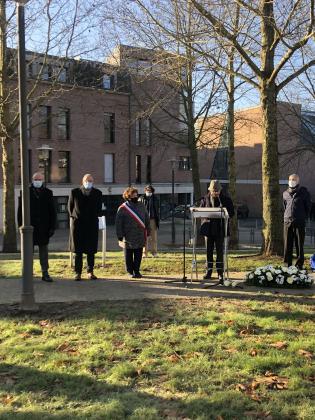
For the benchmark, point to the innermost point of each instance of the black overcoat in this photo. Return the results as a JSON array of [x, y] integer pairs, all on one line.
[[43, 214], [84, 210], [216, 227]]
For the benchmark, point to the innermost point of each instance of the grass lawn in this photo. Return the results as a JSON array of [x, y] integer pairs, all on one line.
[[171, 359], [170, 263]]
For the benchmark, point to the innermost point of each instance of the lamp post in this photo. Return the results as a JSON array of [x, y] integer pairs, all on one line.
[[27, 298], [173, 165], [45, 151]]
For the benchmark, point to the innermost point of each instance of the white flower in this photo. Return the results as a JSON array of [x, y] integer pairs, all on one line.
[[308, 280], [257, 272], [281, 280], [251, 276], [269, 276], [303, 271], [290, 280], [302, 276], [234, 284], [227, 283], [294, 270], [284, 269], [277, 271]]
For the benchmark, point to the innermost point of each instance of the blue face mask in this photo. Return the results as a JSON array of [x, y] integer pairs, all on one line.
[[37, 183], [87, 185]]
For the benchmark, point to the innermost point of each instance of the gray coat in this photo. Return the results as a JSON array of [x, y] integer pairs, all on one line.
[[128, 229]]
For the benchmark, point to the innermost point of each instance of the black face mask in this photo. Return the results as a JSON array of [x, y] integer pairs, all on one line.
[[134, 199]]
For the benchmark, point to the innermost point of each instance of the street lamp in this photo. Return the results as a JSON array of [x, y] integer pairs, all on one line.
[[44, 155], [173, 165], [27, 298]]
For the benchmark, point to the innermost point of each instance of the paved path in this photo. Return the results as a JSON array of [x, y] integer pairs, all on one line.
[[121, 288]]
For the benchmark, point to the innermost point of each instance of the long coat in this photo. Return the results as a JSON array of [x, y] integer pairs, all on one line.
[[43, 214], [297, 205], [151, 205], [84, 210], [129, 229], [216, 227]]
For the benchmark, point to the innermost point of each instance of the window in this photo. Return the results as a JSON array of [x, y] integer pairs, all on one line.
[[149, 170], [109, 167], [147, 131], [45, 165], [138, 132], [109, 128], [138, 169], [46, 72], [62, 75], [64, 166], [184, 163], [64, 124], [108, 81], [143, 132], [29, 121], [45, 122]]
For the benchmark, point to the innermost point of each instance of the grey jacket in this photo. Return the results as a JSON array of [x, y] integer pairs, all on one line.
[[128, 229]]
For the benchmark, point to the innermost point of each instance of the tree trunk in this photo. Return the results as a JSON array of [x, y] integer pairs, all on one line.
[[272, 231], [195, 175], [9, 227]]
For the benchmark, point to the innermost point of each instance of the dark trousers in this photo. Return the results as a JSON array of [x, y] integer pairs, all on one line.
[[294, 235], [133, 259], [78, 262], [216, 242], [43, 257]]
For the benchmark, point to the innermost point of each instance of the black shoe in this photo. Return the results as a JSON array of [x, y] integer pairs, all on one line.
[[77, 277], [46, 277], [92, 276], [221, 281], [208, 275], [137, 276]]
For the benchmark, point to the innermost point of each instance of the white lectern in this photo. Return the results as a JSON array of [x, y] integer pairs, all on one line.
[[209, 213]]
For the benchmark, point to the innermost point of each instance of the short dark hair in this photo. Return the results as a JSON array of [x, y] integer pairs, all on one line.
[[149, 187]]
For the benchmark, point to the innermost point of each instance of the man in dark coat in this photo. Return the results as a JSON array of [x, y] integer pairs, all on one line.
[[84, 207], [297, 206], [43, 219], [213, 229], [150, 203]]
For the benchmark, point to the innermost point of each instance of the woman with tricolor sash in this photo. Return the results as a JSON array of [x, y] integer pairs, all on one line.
[[132, 229]]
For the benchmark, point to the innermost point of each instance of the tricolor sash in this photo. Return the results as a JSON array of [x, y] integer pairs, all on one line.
[[135, 216]]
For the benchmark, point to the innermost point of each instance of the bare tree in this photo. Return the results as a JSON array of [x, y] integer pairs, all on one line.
[[283, 36], [63, 26]]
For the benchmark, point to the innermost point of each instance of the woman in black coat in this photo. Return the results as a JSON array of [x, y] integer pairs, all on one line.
[[84, 207], [43, 219], [213, 229]]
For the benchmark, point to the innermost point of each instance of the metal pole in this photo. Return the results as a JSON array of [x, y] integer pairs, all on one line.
[[104, 242], [173, 206], [27, 298]]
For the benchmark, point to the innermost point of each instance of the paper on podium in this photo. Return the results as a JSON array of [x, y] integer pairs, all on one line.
[[209, 212], [102, 223]]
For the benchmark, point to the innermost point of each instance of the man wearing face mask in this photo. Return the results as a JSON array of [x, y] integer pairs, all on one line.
[[84, 207], [43, 219], [150, 203], [297, 206], [213, 229]]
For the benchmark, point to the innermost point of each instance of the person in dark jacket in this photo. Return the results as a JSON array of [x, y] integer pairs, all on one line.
[[297, 206], [132, 229], [84, 207], [150, 203], [43, 219], [213, 229]]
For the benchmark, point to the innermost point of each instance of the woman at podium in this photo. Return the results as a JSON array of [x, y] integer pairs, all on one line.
[[213, 229]]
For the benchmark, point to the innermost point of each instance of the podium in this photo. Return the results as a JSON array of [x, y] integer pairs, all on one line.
[[209, 213]]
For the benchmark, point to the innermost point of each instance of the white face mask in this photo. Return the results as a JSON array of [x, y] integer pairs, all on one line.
[[87, 185], [292, 184], [37, 183], [148, 194]]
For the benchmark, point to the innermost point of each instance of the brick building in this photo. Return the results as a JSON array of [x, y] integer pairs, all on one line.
[[296, 138], [94, 121]]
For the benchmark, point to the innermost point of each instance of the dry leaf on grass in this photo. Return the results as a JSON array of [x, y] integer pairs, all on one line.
[[174, 358], [253, 352], [258, 415], [7, 399], [306, 354], [279, 345], [67, 348]]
